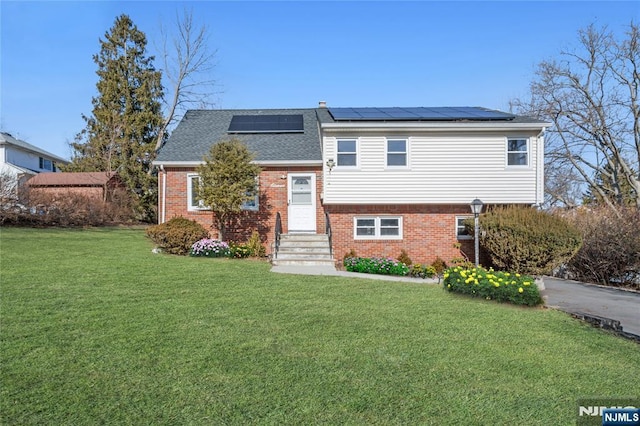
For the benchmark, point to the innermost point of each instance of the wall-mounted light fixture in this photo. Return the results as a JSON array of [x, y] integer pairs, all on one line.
[[330, 164]]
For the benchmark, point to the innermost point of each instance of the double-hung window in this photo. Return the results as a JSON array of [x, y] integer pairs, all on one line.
[[193, 201], [461, 230], [377, 228], [517, 152], [46, 164], [396, 153], [253, 203], [347, 153]]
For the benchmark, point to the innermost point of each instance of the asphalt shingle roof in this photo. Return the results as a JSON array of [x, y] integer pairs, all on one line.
[[200, 129]]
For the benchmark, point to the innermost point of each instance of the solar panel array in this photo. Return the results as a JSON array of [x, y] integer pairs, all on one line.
[[419, 114], [267, 123]]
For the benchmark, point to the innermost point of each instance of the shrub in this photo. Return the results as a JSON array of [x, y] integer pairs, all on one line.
[[610, 254], [419, 271], [439, 265], [404, 258], [526, 240], [239, 250], [500, 286], [350, 254], [376, 265], [177, 235], [208, 247], [255, 245]]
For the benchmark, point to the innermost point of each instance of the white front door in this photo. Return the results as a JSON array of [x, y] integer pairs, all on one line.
[[302, 202]]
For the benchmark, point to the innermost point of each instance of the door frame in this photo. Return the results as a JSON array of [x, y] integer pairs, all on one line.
[[313, 207]]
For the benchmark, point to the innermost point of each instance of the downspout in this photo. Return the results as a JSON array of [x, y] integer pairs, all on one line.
[[164, 194], [540, 168]]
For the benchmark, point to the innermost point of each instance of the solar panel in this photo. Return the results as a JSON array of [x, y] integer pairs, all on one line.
[[419, 114], [268, 123]]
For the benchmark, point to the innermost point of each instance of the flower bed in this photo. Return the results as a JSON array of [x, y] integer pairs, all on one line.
[[386, 266], [493, 285], [208, 247]]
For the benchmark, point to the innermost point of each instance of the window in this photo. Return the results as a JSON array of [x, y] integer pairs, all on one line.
[[461, 230], [347, 153], [253, 204], [378, 228], [46, 164], [193, 203], [517, 152], [396, 153]]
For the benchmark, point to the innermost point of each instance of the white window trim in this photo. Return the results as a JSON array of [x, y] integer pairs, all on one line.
[[507, 152], [191, 207], [462, 237], [406, 153], [377, 235], [201, 206], [357, 165]]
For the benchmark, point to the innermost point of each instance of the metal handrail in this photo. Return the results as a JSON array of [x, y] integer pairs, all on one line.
[[277, 237], [327, 230]]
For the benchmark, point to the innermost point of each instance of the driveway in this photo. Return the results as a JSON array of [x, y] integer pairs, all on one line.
[[574, 296]]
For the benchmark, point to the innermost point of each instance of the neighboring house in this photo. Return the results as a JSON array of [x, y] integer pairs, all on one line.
[[19, 160], [97, 185], [387, 178]]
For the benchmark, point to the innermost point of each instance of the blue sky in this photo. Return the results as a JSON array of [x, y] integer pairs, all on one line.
[[294, 54]]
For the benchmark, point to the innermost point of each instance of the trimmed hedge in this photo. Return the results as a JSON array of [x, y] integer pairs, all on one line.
[[526, 240], [177, 235]]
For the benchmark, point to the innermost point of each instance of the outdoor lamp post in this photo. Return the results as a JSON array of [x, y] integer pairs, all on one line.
[[330, 164], [476, 209]]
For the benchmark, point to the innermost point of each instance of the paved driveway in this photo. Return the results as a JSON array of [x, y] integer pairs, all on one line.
[[573, 296]]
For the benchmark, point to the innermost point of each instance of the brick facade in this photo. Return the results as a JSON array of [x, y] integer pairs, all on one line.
[[428, 230], [273, 198]]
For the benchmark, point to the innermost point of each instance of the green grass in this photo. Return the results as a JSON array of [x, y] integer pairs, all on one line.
[[96, 329]]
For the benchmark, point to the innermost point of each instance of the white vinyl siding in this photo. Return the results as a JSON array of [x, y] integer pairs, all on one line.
[[377, 228], [446, 168]]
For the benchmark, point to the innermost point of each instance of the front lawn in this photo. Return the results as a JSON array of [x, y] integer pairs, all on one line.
[[96, 329]]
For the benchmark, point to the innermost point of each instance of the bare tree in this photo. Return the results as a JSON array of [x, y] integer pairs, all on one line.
[[188, 63], [590, 94]]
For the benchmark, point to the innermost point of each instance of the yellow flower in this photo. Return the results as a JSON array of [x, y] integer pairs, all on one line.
[[497, 285], [448, 285], [507, 274], [446, 275], [520, 290], [527, 283], [475, 281], [518, 275]]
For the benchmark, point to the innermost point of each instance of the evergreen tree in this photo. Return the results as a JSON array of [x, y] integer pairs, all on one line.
[[228, 178], [121, 133]]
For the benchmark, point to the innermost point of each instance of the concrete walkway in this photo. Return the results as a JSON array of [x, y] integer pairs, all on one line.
[[328, 270], [569, 296], [607, 302]]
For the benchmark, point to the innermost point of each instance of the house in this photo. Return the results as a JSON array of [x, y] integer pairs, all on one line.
[[385, 179], [96, 185], [19, 161]]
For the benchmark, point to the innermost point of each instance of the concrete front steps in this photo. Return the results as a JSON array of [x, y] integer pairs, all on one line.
[[304, 250]]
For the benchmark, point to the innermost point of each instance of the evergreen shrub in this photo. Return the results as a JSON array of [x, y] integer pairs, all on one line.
[[177, 235]]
